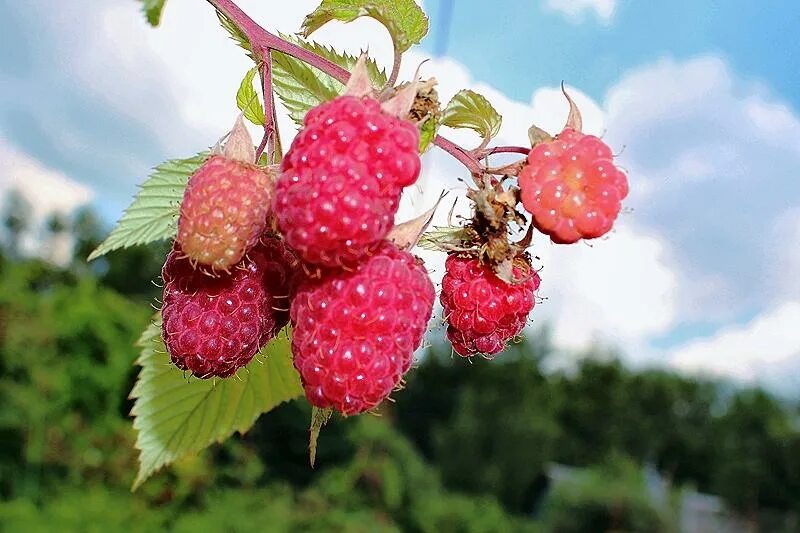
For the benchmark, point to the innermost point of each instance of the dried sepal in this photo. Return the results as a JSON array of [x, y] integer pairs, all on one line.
[[406, 235], [537, 135], [359, 83], [239, 145], [401, 103], [574, 119]]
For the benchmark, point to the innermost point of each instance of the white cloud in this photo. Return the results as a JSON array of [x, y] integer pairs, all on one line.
[[188, 63], [48, 192], [712, 158], [576, 10], [784, 255], [766, 349], [619, 290]]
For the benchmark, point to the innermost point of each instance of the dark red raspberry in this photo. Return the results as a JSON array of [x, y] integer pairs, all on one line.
[[572, 188], [484, 312], [212, 326], [342, 178], [355, 332], [223, 212]]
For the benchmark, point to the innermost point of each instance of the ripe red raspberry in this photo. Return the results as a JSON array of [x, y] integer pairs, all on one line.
[[224, 212], [355, 332], [572, 188], [484, 312], [212, 326], [341, 180]]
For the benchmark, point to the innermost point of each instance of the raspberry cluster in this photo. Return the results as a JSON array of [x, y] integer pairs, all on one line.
[[355, 332], [358, 304], [572, 188], [342, 178], [212, 326], [484, 312], [363, 310]]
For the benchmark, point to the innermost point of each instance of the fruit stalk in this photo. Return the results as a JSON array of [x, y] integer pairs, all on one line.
[[269, 141]]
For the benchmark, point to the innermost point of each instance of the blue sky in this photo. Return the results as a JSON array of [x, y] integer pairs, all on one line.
[[758, 39], [700, 98]]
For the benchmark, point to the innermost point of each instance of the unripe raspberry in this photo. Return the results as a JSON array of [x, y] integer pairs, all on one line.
[[224, 212], [484, 312], [355, 332], [342, 178], [212, 326], [572, 188]]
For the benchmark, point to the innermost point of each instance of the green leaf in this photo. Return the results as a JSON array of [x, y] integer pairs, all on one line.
[[247, 99], [469, 109], [406, 22], [301, 87], [444, 239], [176, 415], [154, 212], [319, 417], [427, 132], [235, 33], [152, 10]]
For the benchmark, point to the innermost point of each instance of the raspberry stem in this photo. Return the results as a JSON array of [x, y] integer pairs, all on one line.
[[270, 139], [395, 69], [480, 154]]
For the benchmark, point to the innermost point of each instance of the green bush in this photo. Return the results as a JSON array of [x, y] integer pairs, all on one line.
[[607, 498]]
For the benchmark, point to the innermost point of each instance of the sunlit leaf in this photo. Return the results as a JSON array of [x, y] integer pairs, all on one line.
[[301, 87], [176, 415], [468, 109], [247, 99], [153, 215], [235, 33], [152, 10], [406, 22]]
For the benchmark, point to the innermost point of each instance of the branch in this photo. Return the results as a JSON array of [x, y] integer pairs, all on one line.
[[480, 154], [262, 41], [270, 125], [395, 69], [464, 157]]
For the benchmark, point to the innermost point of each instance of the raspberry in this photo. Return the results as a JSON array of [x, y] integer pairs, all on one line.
[[572, 188], [342, 178], [484, 312], [224, 212], [212, 326], [355, 332]]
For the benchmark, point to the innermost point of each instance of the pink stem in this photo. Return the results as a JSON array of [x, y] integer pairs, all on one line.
[[459, 153], [262, 145], [269, 111], [503, 150], [263, 41]]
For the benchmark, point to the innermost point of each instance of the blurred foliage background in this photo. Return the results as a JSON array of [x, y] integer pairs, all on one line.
[[482, 447]]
